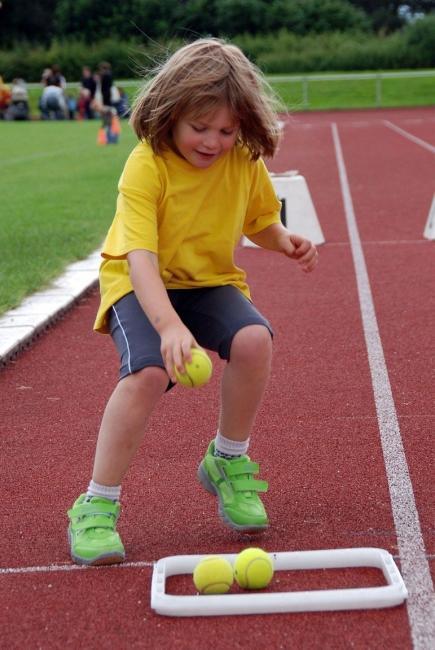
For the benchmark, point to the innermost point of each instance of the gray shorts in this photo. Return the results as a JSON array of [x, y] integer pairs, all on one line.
[[214, 315]]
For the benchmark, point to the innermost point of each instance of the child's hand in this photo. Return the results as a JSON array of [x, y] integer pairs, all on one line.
[[300, 249], [176, 344]]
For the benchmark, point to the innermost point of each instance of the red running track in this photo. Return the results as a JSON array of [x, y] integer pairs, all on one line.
[[317, 436]]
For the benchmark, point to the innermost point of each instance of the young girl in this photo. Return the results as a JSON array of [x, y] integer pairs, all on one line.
[[192, 186]]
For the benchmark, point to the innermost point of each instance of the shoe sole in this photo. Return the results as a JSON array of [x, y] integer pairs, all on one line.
[[208, 485], [101, 560]]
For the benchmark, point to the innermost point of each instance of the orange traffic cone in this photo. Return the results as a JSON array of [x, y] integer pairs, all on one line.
[[101, 137], [116, 125]]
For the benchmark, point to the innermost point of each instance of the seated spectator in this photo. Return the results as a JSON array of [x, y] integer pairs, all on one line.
[[52, 103], [121, 103], [71, 104], [5, 97], [18, 108]]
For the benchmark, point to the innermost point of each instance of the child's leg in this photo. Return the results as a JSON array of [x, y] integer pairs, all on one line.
[[92, 531], [124, 421], [143, 381], [226, 471], [244, 381], [222, 319]]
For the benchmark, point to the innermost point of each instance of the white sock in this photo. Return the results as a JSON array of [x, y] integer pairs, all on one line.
[[107, 492], [228, 448]]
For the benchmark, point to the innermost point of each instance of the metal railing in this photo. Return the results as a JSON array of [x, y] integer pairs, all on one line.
[[377, 77]]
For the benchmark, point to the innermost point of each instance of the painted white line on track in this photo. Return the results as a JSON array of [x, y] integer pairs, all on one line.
[[394, 242], [52, 568], [298, 122], [413, 560], [381, 242], [409, 136]]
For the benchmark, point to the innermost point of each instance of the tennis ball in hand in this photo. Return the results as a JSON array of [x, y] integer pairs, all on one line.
[[213, 575], [253, 568], [198, 371]]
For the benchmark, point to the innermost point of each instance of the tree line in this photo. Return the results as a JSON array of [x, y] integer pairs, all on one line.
[[45, 21]]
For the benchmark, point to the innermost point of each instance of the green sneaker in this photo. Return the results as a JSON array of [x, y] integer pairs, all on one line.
[[92, 535], [232, 482]]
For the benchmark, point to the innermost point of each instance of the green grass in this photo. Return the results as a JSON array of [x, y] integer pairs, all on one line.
[[57, 200], [327, 94], [324, 94]]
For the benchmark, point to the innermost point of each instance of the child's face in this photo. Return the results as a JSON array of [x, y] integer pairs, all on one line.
[[201, 141]]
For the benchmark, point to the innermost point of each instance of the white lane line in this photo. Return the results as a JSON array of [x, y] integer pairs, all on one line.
[[414, 564], [380, 242], [52, 568], [411, 137]]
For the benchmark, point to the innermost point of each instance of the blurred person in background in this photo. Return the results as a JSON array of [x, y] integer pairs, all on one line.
[[103, 93], [5, 97], [106, 82], [55, 77], [121, 104], [53, 104], [18, 108], [87, 94]]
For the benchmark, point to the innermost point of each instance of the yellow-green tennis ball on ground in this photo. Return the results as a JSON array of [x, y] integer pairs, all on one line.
[[213, 575], [198, 371], [253, 568]]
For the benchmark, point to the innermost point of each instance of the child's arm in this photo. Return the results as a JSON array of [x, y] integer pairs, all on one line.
[[177, 340], [277, 238]]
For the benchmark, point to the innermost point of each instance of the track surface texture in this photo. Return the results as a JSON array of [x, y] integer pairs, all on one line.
[[345, 435]]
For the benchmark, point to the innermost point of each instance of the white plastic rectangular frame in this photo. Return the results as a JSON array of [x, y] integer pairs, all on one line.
[[389, 595]]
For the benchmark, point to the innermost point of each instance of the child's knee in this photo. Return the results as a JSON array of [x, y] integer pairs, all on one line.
[[252, 344], [149, 379]]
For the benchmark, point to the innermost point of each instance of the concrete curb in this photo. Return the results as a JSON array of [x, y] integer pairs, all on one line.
[[20, 326]]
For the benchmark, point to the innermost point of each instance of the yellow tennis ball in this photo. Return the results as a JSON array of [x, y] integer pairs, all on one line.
[[198, 371], [253, 568], [213, 575]]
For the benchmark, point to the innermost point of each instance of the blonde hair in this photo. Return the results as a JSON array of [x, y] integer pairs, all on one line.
[[196, 80]]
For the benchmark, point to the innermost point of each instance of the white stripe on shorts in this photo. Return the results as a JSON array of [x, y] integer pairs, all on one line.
[[126, 339]]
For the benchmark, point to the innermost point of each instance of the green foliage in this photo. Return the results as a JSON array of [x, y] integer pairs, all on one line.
[[321, 16], [28, 62], [238, 16], [420, 40], [283, 51], [298, 16], [31, 20], [41, 21], [93, 20], [391, 15]]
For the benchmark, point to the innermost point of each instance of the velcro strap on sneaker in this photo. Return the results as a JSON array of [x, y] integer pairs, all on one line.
[[249, 485], [99, 521], [236, 468], [89, 508]]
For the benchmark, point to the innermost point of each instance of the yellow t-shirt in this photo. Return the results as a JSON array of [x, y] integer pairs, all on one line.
[[191, 218]]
